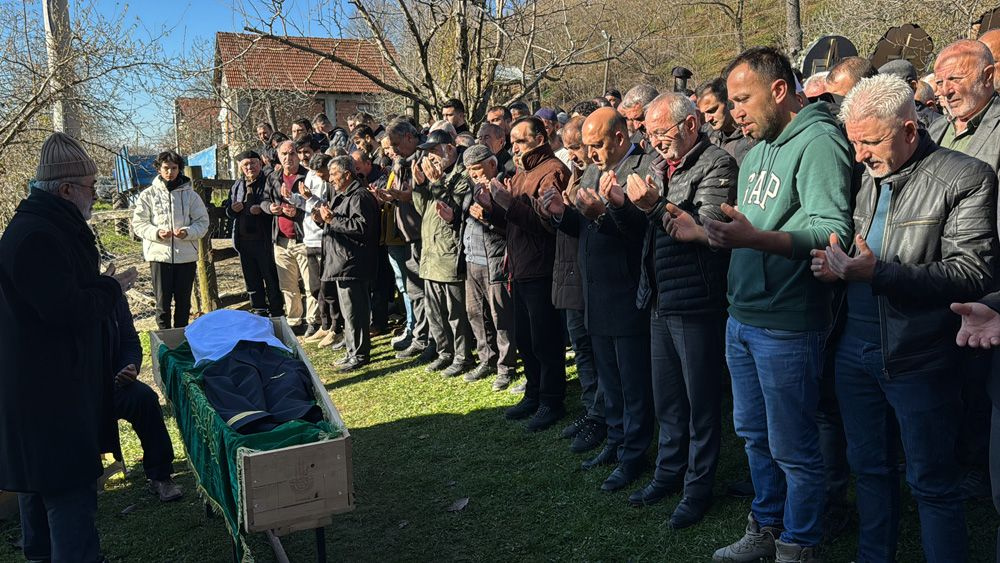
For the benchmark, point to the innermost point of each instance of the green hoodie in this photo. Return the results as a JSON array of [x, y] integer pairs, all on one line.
[[800, 184]]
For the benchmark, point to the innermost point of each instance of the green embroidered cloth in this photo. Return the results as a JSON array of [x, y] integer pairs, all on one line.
[[213, 448]]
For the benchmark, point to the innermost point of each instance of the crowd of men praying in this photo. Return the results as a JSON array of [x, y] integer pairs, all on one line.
[[811, 244], [823, 248]]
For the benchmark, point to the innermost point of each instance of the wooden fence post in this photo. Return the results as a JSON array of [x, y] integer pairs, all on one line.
[[207, 283]]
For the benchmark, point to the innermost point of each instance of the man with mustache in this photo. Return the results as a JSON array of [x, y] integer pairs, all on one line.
[[925, 229], [793, 192]]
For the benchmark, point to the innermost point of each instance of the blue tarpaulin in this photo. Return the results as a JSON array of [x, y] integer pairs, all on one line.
[[132, 171], [206, 159]]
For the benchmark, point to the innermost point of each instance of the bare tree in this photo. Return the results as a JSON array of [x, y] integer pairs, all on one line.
[[793, 29], [97, 72], [468, 49]]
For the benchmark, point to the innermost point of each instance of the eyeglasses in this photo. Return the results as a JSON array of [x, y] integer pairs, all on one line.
[[665, 135], [91, 188]]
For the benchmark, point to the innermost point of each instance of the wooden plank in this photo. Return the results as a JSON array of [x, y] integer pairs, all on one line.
[[111, 215], [299, 463]]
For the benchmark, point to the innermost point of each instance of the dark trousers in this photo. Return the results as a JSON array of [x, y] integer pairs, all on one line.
[[61, 527], [140, 406], [330, 315], [444, 304], [583, 353], [415, 289], [622, 364], [922, 411], [491, 314], [972, 449], [382, 291], [995, 463], [832, 441], [539, 337], [172, 283], [688, 363], [260, 276], [353, 298]]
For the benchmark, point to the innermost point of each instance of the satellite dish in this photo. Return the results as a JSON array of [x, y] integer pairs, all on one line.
[[907, 42], [990, 20], [826, 52]]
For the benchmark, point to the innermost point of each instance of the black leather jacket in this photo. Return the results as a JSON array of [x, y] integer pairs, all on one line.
[[938, 247]]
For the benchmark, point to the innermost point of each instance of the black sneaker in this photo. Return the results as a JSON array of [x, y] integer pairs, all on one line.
[[589, 437], [525, 408], [440, 363], [313, 329], [545, 417], [299, 329], [481, 372], [574, 427], [502, 381]]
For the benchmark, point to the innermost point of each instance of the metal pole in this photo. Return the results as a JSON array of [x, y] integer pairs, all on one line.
[[57, 45]]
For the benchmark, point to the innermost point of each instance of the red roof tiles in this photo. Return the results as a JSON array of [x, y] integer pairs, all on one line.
[[266, 64]]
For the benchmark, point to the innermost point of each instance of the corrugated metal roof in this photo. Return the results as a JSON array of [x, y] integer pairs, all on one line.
[[259, 63]]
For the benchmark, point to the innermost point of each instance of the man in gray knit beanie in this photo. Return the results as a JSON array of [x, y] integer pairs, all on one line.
[[55, 393]]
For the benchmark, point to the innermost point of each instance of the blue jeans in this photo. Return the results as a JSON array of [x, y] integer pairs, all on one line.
[[60, 526], [775, 375], [398, 255], [923, 410]]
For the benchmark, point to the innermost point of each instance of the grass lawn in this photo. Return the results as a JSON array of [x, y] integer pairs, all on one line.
[[421, 442]]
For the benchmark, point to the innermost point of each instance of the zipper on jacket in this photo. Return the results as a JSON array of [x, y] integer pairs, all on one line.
[[879, 298]]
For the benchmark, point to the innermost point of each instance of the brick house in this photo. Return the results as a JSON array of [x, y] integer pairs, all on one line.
[[259, 78], [197, 123]]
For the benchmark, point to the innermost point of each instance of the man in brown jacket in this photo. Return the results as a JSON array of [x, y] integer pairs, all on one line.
[[531, 253]]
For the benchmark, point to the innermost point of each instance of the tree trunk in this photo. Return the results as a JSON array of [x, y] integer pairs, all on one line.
[[793, 29], [208, 286], [65, 117]]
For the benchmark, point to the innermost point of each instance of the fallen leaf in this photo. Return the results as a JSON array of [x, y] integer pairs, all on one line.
[[423, 437], [459, 504], [128, 509], [450, 484], [403, 524]]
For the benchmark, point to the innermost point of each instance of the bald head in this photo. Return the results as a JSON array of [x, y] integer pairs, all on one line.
[[605, 134], [992, 41], [963, 78], [572, 137]]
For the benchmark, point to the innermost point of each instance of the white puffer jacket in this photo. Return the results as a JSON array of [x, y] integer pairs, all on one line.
[[158, 208]]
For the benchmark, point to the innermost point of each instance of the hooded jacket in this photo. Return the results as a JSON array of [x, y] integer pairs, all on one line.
[[800, 183], [55, 313], [161, 208]]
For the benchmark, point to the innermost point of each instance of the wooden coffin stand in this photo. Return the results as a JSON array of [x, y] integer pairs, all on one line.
[[294, 488]]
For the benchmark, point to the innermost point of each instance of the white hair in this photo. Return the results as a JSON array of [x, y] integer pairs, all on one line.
[[883, 97], [640, 94], [678, 106], [445, 126], [52, 186]]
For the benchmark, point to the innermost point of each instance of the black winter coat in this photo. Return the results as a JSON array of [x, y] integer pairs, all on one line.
[[350, 242], [246, 225], [56, 404], [678, 277]]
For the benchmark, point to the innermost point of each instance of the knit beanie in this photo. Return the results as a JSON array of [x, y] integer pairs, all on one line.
[[64, 157]]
